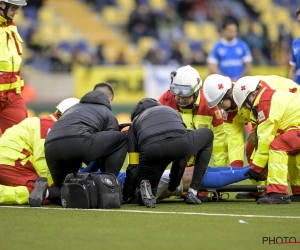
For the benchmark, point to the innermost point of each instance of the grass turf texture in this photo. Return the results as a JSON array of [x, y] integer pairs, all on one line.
[[215, 226]]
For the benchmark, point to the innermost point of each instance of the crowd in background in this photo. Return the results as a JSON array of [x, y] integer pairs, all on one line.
[[167, 28]]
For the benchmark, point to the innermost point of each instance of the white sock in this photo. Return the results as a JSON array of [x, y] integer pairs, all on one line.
[[47, 193], [193, 191]]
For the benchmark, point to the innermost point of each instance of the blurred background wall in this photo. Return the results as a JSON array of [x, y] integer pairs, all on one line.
[[71, 45]]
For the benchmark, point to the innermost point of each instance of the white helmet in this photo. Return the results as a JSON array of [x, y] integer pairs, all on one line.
[[185, 81], [243, 87], [15, 2], [66, 104], [215, 87]]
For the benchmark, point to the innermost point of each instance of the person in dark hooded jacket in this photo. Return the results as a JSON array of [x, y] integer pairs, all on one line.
[[88, 131], [156, 138]]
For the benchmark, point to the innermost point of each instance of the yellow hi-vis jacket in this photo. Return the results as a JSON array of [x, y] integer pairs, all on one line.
[[24, 143], [280, 83], [10, 57], [202, 116], [277, 113], [234, 121]]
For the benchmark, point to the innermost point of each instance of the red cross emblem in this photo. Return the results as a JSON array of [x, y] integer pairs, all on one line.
[[220, 86], [243, 87]]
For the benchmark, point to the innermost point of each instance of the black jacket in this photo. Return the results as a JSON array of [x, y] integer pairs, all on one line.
[[91, 115], [152, 122]]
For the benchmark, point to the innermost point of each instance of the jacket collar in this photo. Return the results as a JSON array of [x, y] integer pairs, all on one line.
[[2, 20]]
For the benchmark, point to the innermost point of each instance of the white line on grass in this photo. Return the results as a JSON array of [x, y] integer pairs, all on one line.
[[158, 212]]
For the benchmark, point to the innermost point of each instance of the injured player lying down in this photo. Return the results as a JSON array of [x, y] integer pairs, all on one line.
[[214, 177]]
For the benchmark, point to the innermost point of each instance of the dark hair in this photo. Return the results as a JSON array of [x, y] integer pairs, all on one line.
[[229, 21], [297, 12], [106, 88]]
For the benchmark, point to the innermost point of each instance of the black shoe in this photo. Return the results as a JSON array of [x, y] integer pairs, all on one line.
[[38, 194], [275, 198], [295, 198], [146, 194]]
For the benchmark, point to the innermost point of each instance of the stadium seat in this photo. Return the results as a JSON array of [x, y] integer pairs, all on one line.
[[114, 16], [126, 4], [144, 44], [158, 5], [191, 30]]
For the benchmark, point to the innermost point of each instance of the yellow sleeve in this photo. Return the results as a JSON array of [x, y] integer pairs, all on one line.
[[220, 154], [235, 141], [39, 160]]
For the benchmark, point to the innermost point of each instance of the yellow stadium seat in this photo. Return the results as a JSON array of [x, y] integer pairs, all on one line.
[[126, 4], [264, 5], [192, 31], [132, 55], [158, 4], [295, 29], [115, 17], [273, 32], [47, 14], [208, 32], [145, 44]]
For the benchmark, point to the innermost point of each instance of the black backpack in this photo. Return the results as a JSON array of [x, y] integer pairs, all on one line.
[[91, 190]]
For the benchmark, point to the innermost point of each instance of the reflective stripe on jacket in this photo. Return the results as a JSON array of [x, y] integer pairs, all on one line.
[[24, 143], [10, 57], [277, 112]]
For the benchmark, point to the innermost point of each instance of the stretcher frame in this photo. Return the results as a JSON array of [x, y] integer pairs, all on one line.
[[233, 188]]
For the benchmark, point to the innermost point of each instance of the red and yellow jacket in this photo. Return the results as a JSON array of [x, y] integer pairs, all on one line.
[[277, 113], [203, 116], [235, 120], [10, 57], [23, 144]]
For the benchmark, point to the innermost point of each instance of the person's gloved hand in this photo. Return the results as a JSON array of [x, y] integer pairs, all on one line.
[[257, 176]]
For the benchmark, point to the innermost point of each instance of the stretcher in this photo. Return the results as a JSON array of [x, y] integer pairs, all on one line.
[[233, 188]]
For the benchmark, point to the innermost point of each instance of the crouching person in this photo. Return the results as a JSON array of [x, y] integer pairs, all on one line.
[[156, 138], [22, 157]]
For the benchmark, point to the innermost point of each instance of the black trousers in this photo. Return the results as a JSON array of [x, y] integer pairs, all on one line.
[[66, 155], [155, 158]]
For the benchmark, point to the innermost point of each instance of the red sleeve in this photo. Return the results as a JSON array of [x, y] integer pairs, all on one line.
[[46, 124]]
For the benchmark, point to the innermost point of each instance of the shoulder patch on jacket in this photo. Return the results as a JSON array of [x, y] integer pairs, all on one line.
[[261, 116], [218, 114]]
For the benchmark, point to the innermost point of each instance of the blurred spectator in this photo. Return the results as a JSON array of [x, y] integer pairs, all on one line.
[[100, 4], [32, 8], [142, 23], [176, 55], [184, 8], [285, 40], [98, 57], [230, 56], [121, 59], [266, 45], [255, 43], [169, 24], [294, 73], [154, 56]]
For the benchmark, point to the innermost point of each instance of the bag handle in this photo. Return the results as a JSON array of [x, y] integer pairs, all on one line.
[[83, 176]]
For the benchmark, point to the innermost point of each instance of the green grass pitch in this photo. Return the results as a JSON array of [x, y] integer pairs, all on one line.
[[233, 224]]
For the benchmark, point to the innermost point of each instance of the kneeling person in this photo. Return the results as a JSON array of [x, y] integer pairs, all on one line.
[[156, 138]]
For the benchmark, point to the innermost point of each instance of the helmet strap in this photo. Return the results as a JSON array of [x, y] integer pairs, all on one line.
[[5, 10], [232, 105]]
